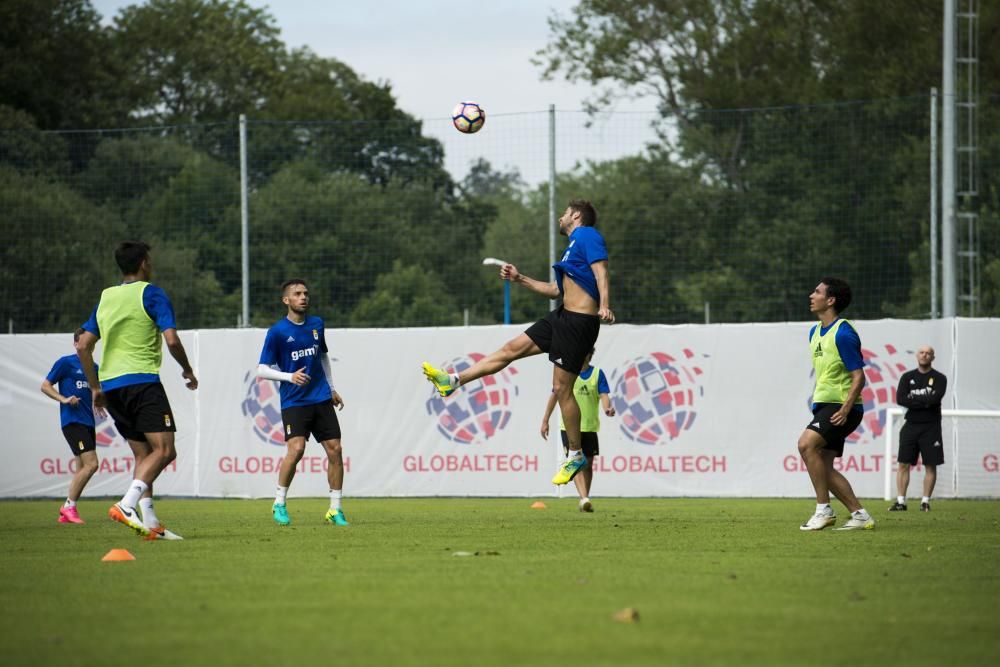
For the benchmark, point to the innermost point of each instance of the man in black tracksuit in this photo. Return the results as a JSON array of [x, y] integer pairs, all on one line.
[[920, 391]]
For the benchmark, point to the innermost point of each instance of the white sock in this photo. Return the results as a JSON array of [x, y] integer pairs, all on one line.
[[455, 382], [149, 518], [574, 454], [861, 513], [585, 499], [901, 500], [822, 507], [280, 495], [135, 491], [69, 503], [926, 499], [335, 496]]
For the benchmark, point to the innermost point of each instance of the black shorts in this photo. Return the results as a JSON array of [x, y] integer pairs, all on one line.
[[588, 441], [834, 435], [319, 419], [568, 337], [924, 439], [80, 437], [139, 409]]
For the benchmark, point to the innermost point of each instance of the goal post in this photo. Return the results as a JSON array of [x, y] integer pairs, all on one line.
[[954, 438]]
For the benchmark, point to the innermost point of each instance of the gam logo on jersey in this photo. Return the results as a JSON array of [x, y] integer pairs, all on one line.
[[262, 405], [655, 395], [882, 373], [477, 411]]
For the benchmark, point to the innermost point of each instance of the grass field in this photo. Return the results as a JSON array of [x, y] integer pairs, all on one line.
[[715, 582]]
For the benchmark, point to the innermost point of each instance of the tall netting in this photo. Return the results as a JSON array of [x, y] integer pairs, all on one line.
[[727, 215]]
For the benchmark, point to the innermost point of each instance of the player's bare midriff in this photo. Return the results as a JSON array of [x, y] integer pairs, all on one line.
[[576, 299]]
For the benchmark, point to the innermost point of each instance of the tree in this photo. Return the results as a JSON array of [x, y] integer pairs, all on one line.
[[56, 65], [407, 296], [198, 60], [52, 275]]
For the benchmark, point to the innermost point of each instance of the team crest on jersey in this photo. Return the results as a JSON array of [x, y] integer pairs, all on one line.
[[315, 335]]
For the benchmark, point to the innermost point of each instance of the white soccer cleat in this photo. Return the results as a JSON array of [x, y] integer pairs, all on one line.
[[161, 533], [860, 520], [820, 520]]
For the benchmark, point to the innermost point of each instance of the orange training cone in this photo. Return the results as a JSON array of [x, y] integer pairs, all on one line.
[[538, 505], [118, 554]]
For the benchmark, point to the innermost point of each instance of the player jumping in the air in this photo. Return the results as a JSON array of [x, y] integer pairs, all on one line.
[[568, 333]]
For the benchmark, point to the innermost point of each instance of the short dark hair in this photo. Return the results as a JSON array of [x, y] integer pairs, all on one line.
[[839, 290], [77, 334], [130, 254], [293, 281], [588, 215]]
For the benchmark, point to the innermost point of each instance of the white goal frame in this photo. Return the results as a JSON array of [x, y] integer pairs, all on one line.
[[890, 435]]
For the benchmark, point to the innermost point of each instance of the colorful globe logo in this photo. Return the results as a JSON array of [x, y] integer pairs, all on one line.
[[477, 411], [105, 432], [879, 394], [263, 406], [655, 396]]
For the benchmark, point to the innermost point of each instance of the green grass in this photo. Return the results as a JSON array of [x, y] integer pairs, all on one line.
[[728, 582]]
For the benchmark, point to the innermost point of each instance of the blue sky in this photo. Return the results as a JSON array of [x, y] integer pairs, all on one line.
[[434, 53]]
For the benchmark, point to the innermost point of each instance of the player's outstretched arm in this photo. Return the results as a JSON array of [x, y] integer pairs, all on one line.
[[176, 349], [510, 272]]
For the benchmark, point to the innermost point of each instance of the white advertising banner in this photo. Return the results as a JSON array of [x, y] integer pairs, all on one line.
[[706, 410]]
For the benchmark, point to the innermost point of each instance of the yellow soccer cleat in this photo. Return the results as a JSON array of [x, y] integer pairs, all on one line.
[[440, 379], [567, 471]]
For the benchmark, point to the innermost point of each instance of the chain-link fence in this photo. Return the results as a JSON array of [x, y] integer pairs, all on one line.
[[730, 216]]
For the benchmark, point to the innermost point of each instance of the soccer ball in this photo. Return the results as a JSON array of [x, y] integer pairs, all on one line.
[[468, 117]]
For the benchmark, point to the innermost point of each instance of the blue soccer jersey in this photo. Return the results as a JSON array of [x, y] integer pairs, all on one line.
[[291, 346], [586, 246], [68, 378]]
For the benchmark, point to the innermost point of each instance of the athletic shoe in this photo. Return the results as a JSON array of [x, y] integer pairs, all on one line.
[[859, 520], [161, 533], [280, 514], [336, 517], [440, 379], [586, 506], [924, 507], [898, 507], [567, 471], [129, 517], [820, 520], [69, 515]]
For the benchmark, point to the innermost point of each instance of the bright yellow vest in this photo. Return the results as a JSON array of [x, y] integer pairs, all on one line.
[[131, 340], [833, 380], [585, 392]]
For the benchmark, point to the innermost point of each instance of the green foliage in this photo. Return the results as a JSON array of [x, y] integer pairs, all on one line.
[[51, 277], [408, 296], [742, 204]]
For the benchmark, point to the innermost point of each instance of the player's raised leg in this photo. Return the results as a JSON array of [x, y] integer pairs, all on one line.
[[514, 349]]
